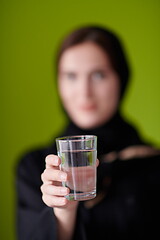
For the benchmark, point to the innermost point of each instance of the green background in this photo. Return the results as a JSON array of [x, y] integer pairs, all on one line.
[[30, 109]]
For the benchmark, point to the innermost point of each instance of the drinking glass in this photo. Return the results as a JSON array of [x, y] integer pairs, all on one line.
[[78, 156]]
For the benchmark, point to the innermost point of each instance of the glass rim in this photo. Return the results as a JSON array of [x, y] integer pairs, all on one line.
[[72, 138]]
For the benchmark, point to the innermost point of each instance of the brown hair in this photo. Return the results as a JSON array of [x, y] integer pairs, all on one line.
[[107, 41]]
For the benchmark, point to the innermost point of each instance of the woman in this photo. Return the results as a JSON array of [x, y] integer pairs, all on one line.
[[92, 77]]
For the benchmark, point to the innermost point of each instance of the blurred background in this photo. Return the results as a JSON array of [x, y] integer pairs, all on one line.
[[30, 109]]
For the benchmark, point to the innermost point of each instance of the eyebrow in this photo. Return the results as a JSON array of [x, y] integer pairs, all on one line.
[[67, 72], [101, 69]]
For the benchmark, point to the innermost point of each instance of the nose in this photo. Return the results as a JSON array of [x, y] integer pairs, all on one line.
[[85, 88]]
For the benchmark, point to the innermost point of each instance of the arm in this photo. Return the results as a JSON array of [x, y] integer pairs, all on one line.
[[66, 219], [53, 196]]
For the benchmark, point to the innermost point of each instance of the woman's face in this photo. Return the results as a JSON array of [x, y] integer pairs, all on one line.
[[88, 85]]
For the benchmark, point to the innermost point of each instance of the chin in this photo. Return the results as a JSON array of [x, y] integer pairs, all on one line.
[[88, 124]]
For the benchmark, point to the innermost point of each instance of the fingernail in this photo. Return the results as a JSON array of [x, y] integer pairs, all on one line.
[[63, 176], [63, 200], [56, 161], [63, 190]]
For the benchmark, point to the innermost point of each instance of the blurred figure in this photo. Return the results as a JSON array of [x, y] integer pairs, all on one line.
[[92, 73]]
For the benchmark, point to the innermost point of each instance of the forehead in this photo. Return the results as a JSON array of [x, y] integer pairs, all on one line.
[[83, 56]]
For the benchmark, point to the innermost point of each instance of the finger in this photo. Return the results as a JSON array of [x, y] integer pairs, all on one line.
[[54, 190], [53, 175], [54, 201], [52, 161]]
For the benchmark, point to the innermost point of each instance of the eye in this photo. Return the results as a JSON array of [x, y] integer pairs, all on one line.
[[70, 76], [98, 75]]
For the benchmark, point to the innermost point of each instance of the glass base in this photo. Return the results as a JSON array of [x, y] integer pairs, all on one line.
[[77, 196]]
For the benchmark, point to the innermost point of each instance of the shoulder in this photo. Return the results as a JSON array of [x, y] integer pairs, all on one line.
[[146, 168], [140, 160]]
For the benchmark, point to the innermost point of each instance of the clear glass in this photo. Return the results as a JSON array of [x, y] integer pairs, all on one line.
[[78, 159]]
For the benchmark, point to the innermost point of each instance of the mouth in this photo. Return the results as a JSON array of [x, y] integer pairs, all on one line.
[[88, 107]]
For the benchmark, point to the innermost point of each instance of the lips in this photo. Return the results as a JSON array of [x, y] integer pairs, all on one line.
[[88, 107]]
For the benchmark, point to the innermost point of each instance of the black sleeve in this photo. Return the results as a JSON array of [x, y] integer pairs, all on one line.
[[36, 221]]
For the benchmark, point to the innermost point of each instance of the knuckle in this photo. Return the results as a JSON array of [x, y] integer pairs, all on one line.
[[47, 200], [46, 159], [48, 173], [50, 190], [45, 171], [42, 177], [44, 198], [57, 174], [44, 174], [41, 188]]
